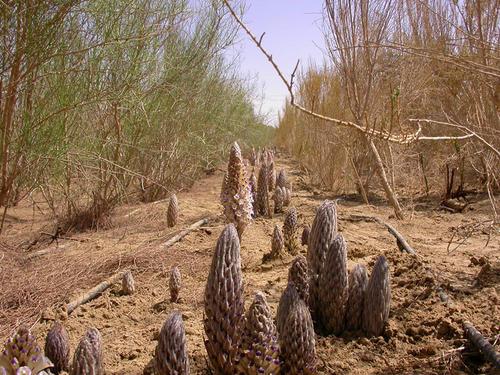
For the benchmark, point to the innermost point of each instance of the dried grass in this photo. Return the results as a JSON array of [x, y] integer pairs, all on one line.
[[29, 286]]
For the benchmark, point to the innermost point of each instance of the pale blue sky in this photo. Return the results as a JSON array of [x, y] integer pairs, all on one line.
[[293, 31]]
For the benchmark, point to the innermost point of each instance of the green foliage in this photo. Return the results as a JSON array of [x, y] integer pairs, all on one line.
[[118, 98]]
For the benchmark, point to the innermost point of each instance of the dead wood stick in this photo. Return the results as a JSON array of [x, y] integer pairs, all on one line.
[[179, 236], [400, 240], [94, 292], [45, 251], [486, 349]]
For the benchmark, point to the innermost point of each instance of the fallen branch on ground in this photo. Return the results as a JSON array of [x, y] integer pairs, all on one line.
[[94, 292], [486, 349], [45, 251], [184, 232], [404, 246], [400, 240]]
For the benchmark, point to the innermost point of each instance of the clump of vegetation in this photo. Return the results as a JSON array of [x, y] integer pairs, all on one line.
[[298, 274], [136, 122], [304, 239]]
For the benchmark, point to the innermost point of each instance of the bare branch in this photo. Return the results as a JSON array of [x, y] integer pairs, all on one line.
[[381, 134], [469, 132]]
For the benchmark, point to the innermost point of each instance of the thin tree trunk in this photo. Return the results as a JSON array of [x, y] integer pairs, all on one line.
[[391, 197], [421, 162], [360, 183], [393, 177]]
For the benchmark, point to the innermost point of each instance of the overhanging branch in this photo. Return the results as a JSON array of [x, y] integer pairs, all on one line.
[[384, 135]]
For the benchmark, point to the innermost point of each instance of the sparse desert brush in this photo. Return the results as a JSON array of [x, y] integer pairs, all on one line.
[[236, 196], [171, 354], [224, 304], [172, 211]]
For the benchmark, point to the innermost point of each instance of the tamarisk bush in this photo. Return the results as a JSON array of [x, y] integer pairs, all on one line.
[[171, 354], [57, 347], [88, 357], [224, 304], [376, 305], [358, 280], [236, 196], [173, 211], [22, 353], [259, 352]]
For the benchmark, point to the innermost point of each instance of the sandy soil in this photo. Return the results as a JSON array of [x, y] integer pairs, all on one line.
[[421, 337]]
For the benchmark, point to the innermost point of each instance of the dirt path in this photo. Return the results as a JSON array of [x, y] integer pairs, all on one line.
[[421, 326]]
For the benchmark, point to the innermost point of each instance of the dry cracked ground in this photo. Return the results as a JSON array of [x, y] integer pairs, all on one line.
[[424, 333]]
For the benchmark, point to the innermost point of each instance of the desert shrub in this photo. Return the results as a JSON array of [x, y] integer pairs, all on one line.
[[108, 101]]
